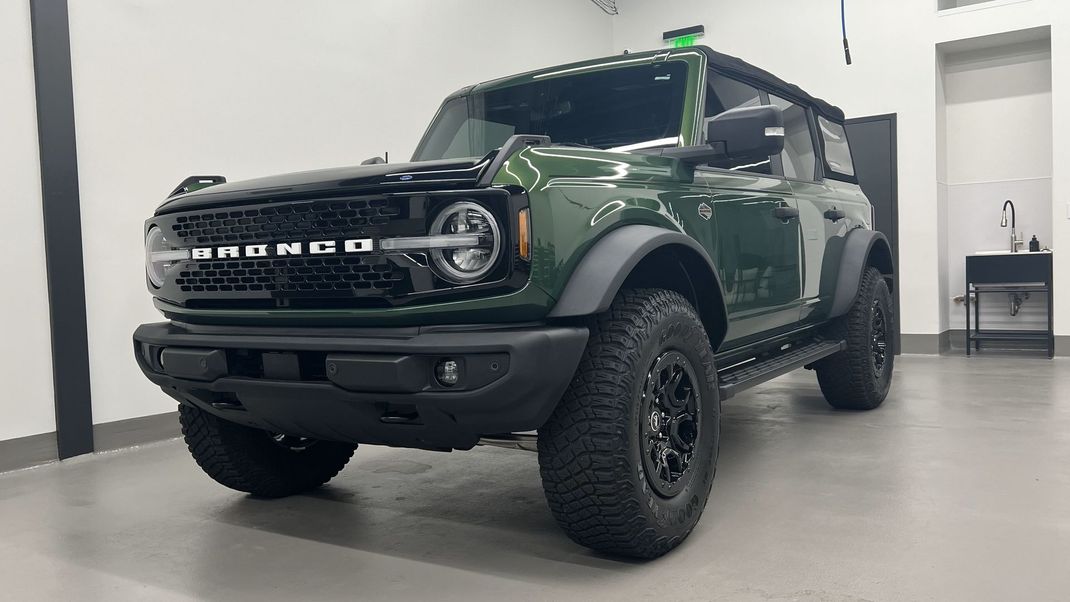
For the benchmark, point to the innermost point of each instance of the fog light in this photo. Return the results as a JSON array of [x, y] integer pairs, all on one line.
[[448, 372]]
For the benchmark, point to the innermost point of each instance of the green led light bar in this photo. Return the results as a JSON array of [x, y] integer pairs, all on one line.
[[682, 38], [684, 41]]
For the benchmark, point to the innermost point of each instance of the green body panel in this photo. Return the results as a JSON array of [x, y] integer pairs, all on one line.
[[823, 249], [578, 195]]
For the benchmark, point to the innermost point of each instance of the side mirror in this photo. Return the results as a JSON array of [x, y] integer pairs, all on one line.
[[747, 134]]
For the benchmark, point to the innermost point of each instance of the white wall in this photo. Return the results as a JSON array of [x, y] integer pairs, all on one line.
[[999, 146], [164, 90], [999, 113], [942, 193], [26, 406], [894, 49]]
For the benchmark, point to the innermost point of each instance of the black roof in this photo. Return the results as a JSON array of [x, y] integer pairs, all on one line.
[[742, 70]]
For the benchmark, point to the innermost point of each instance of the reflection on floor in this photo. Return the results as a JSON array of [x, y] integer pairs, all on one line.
[[958, 488]]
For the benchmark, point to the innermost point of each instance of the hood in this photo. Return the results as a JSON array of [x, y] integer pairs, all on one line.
[[382, 177]]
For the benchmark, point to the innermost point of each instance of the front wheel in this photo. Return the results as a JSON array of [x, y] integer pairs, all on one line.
[[258, 462], [628, 456], [858, 378]]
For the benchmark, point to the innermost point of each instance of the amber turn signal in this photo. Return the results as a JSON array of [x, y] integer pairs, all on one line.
[[524, 229]]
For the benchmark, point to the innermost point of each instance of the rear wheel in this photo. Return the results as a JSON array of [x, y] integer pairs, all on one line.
[[858, 378], [258, 462], [629, 455]]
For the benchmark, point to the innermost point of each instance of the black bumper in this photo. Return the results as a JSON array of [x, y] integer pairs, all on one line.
[[367, 385]]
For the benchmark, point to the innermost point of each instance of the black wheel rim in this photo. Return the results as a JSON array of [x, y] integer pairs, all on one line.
[[669, 423], [878, 339]]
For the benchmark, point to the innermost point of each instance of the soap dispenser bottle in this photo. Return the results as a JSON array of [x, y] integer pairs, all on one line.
[[1034, 245]]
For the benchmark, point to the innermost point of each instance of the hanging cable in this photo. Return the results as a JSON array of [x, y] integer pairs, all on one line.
[[843, 28], [608, 6]]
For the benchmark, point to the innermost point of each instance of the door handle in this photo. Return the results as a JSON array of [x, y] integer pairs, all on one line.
[[835, 215], [785, 212]]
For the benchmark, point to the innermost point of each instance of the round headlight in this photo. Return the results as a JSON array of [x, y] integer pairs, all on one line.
[[160, 256], [465, 265]]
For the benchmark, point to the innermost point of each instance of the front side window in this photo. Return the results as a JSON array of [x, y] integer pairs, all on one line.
[[799, 159], [624, 108], [724, 94], [837, 149]]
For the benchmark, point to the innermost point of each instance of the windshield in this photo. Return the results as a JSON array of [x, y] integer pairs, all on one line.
[[623, 109]]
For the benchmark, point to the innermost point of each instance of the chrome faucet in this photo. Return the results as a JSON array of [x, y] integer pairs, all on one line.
[[1016, 242]]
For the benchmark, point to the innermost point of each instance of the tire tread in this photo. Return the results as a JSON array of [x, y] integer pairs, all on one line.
[[584, 455], [246, 459], [846, 378]]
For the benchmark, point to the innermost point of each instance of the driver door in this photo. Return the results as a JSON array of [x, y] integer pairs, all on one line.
[[755, 228]]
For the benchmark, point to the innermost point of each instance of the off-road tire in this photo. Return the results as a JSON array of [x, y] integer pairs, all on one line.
[[250, 460], [849, 379], [590, 452]]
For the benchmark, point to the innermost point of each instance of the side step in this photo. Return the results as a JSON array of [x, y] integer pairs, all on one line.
[[745, 375]]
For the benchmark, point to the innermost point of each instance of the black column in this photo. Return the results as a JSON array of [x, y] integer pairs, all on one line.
[[62, 225]]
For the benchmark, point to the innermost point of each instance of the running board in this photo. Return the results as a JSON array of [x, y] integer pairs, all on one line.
[[747, 374]]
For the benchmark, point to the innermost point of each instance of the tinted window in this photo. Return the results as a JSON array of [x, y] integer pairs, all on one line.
[[798, 157], [837, 149], [723, 94], [631, 107], [452, 139]]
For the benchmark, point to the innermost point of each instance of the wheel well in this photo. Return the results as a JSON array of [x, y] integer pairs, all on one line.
[[677, 268], [880, 257]]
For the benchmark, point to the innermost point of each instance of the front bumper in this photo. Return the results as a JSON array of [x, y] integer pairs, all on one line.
[[366, 385]]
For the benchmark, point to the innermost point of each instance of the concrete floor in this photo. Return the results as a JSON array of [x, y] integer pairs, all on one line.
[[958, 488]]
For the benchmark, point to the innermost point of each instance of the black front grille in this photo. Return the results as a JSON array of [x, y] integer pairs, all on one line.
[[282, 278], [291, 221], [365, 279], [291, 275]]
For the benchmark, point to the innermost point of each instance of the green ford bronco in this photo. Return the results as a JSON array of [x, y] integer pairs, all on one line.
[[582, 261]]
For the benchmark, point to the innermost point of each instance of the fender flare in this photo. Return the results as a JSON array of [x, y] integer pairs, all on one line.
[[858, 254], [602, 271]]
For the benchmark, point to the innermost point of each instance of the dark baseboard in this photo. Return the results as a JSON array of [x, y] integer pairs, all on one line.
[[136, 431], [25, 452], [926, 344], [34, 450]]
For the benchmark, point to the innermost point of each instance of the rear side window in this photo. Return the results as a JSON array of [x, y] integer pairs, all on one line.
[[837, 149], [799, 158]]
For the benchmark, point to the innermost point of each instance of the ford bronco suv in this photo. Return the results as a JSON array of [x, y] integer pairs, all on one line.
[[582, 261]]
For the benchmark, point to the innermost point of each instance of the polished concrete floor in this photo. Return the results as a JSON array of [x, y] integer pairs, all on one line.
[[958, 488]]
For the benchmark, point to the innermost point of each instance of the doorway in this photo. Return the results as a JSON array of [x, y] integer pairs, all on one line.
[[874, 150]]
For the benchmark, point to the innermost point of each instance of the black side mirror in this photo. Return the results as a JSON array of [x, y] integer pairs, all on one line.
[[747, 134]]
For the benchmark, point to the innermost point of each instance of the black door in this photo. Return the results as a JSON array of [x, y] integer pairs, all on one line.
[[874, 151]]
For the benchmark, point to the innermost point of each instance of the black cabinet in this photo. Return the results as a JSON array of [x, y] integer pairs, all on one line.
[[1007, 274]]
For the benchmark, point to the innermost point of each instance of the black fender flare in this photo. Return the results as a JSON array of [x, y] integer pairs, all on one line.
[[861, 249], [602, 271]]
